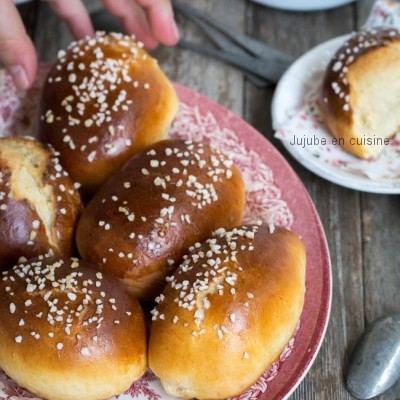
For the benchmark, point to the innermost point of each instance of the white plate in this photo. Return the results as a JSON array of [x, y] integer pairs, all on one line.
[[303, 5], [337, 166]]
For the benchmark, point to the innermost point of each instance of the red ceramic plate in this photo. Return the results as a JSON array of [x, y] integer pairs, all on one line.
[[274, 193]]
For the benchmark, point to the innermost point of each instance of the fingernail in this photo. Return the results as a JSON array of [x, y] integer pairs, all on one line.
[[19, 76], [175, 30]]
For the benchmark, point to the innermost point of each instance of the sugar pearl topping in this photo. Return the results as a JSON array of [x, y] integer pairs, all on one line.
[[100, 73], [359, 43], [62, 297], [170, 169], [209, 272]]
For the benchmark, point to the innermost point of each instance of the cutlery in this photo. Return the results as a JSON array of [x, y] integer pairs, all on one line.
[[375, 362], [255, 58], [262, 64]]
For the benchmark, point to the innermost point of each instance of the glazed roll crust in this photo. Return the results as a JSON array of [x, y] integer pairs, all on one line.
[[105, 99], [68, 331], [227, 312], [165, 199], [360, 91]]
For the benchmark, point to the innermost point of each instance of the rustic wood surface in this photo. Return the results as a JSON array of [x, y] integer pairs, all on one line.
[[362, 229]]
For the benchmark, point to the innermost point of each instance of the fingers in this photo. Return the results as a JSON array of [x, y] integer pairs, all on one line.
[[133, 20], [152, 22], [161, 20], [75, 15], [17, 52]]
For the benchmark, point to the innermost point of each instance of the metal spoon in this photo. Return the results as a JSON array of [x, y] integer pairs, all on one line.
[[375, 362]]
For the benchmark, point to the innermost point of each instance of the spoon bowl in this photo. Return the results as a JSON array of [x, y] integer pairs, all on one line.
[[375, 362]]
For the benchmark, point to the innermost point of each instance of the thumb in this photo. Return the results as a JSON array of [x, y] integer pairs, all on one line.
[[17, 52]]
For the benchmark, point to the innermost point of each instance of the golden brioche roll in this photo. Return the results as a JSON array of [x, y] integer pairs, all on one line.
[[145, 217], [39, 204], [104, 99], [227, 312], [360, 91], [69, 332]]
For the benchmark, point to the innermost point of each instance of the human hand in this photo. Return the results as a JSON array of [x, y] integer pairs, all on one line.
[[152, 21]]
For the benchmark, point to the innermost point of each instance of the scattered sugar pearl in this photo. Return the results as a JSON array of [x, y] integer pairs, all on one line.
[[360, 41], [71, 296], [217, 273], [43, 279], [85, 351]]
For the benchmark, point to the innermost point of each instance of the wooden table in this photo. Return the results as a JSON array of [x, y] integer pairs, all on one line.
[[363, 230]]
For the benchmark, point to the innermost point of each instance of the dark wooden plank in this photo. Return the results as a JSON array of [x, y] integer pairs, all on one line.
[[339, 211], [363, 9], [292, 32], [381, 221], [362, 229], [52, 36], [296, 33], [212, 78], [381, 235], [53, 33], [28, 12]]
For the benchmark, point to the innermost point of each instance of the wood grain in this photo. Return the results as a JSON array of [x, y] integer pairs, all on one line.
[[28, 13], [207, 76], [341, 210], [362, 229]]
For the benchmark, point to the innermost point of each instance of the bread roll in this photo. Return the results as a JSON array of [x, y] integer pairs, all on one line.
[[104, 100], [39, 205], [361, 91], [227, 312], [147, 215], [69, 332]]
